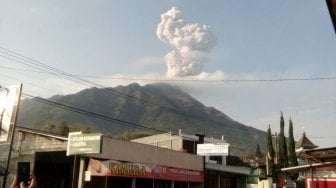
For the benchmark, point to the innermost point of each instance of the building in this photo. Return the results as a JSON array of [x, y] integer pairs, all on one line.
[[46, 154], [317, 167], [304, 143], [221, 169], [120, 163], [320, 168]]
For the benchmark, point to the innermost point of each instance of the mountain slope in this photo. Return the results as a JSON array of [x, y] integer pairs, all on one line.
[[159, 106]]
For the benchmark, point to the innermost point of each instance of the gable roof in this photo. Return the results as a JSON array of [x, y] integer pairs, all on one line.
[[305, 143]]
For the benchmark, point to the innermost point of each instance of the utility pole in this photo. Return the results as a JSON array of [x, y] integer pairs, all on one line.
[[12, 131]]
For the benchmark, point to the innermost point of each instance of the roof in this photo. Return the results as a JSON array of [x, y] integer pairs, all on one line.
[[229, 169], [303, 168], [41, 133], [305, 143], [171, 136], [321, 155]]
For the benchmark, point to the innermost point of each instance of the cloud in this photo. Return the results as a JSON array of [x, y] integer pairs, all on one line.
[[192, 44]]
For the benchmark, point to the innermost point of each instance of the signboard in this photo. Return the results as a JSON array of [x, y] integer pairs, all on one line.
[[9, 101], [79, 143], [320, 182], [116, 168], [220, 149]]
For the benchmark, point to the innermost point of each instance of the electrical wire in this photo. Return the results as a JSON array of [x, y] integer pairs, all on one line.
[[79, 79], [101, 116], [185, 80], [41, 66], [89, 113]]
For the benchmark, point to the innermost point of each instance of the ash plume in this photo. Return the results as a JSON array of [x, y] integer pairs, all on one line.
[[192, 44]]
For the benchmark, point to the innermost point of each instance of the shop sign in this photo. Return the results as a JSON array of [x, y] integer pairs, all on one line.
[[320, 182], [79, 143], [219, 149], [116, 168]]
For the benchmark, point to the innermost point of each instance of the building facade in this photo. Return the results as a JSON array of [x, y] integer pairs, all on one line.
[[220, 168], [120, 163]]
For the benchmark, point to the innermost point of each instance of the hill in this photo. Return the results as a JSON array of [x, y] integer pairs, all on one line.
[[133, 107]]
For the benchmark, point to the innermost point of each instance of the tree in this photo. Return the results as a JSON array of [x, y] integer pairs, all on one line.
[[50, 127], [269, 153], [63, 129], [258, 152], [292, 159], [283, 157], [80, 128]]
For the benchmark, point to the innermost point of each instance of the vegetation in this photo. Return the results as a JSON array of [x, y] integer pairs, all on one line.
[[258, 153], [283, 157], [63, 128], [270, 153], [129, 135], [168, 109], [292, 159], [286, 158]]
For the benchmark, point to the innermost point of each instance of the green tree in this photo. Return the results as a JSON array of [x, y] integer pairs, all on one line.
[[292, 159], [127, 135], [283, 157], [258, 152], [63, 129], [80, 128], [269, 153], [50, 127]]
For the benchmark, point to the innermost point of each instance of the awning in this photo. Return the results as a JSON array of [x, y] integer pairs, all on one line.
[[229, 169], [302, 168]]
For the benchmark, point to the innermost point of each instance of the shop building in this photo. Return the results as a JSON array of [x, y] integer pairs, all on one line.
[[46, 154], [221, 169], [120, 163], [319, 171]]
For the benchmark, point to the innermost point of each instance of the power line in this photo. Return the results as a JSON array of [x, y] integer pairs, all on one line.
[[88, 113], [110, 90], [79, 78], [187, 80], [101, 116], [67, 75]]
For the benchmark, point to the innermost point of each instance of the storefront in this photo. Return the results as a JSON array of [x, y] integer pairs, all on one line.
[[134, 165], [111, 173], [120, 164]]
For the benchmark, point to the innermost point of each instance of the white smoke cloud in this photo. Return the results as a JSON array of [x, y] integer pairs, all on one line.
[[191, 42]]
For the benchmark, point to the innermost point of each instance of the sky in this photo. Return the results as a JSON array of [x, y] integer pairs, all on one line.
[[223, 53]]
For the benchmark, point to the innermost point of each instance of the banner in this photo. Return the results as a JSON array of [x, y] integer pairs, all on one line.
[[137, 170], [219, 149], [9, 100]]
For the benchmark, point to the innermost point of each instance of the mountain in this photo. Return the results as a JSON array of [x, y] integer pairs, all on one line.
[[133, 107]]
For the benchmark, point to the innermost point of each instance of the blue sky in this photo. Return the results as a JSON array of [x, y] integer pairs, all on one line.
[[254, 40]]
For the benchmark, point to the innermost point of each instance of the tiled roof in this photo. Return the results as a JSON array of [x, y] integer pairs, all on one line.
[[305, 143]]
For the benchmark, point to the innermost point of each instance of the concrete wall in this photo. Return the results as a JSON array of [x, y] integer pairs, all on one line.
[[135, 152], [25, 144]]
